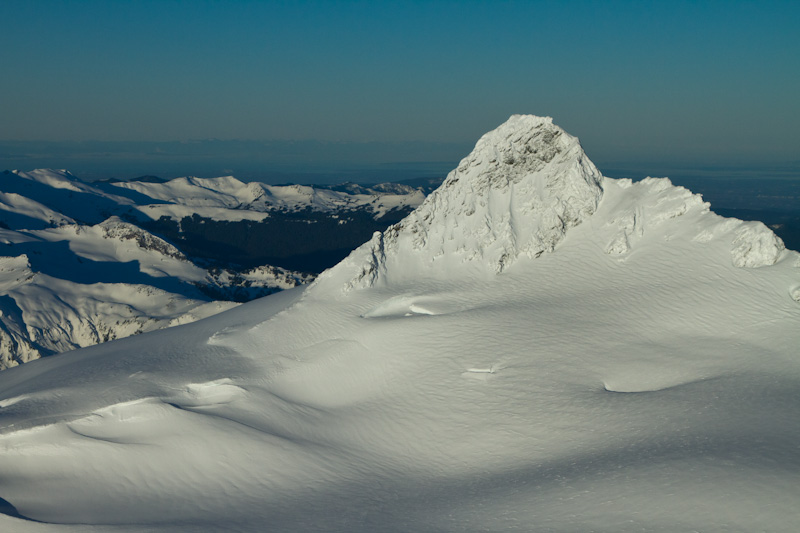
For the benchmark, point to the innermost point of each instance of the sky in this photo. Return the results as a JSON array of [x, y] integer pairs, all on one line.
[[393, 85]]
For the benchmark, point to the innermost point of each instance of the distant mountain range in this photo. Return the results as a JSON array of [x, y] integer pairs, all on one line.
[[86, 263]]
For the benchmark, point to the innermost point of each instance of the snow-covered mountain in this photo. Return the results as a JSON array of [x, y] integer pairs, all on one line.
[[75, 285], [80, 268], [537, 347]]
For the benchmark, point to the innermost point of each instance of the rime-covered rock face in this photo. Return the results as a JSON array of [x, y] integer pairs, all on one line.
[[516, 194], [756, 246]]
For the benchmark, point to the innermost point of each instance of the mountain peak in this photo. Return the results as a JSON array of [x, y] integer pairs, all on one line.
[[515, 194]]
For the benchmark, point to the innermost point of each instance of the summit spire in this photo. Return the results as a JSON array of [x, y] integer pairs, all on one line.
[[515, 194]]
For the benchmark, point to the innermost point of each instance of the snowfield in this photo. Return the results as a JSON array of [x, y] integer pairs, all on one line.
[[536, 348]]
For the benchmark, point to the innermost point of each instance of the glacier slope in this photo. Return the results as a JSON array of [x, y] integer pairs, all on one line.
[[639, 374]]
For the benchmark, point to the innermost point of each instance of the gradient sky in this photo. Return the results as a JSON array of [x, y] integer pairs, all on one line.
[[705, 82]]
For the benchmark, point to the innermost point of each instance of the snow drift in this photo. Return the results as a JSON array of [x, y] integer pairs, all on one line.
[[537, 347]]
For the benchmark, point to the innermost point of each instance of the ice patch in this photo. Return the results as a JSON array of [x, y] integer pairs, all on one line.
[[489, 370], [480, 373], [419, 310]]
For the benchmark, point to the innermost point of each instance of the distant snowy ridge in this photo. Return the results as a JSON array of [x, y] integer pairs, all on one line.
[[226, 194], [519, 192], [223, 198]]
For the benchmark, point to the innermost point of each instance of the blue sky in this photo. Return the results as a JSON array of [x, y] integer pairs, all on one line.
[[690, 83]]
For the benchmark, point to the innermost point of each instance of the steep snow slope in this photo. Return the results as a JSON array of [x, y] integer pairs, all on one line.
[[516, 194], [576, 354]]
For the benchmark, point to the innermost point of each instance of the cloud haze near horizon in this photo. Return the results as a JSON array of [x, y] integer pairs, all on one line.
[[694, 84]]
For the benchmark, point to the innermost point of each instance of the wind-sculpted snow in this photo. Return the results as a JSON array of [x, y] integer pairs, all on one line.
[[631, 378], [24, 212], [653, 201]]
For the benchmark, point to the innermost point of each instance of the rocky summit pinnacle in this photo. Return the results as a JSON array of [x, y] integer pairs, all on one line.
[[516, 194]]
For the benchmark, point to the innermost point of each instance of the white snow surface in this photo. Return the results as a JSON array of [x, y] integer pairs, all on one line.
[[537, 348], [57, 179]]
